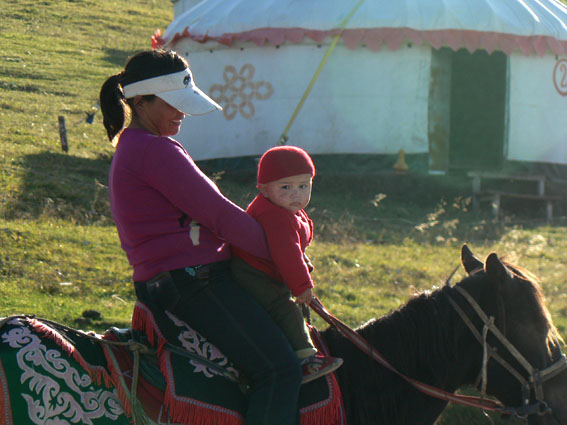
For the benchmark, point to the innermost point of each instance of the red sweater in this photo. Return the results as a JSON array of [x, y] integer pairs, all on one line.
[[288, 235]]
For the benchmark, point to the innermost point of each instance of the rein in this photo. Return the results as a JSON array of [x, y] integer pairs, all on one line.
[[536, 377], [363, 345]]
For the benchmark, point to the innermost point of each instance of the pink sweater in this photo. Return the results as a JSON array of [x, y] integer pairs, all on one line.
[[170, 215]]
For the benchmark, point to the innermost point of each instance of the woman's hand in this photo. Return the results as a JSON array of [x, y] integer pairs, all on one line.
[[305, 297]]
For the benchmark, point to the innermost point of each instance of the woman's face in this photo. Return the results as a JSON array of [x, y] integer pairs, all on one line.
[[158, 116]]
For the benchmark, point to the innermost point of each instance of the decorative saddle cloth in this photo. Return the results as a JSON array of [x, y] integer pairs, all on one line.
[[55, 374], [196, 389]]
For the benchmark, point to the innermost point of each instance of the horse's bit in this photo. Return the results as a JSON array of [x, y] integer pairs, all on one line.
[[536, 377]]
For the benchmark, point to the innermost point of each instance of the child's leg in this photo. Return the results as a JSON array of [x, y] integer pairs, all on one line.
[[276, 299]]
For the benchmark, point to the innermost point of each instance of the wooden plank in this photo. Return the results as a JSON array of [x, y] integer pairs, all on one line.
[[535, 197], [495, 198], [501, 176]]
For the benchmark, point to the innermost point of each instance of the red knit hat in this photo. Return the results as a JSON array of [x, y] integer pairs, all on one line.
[[284, 161]]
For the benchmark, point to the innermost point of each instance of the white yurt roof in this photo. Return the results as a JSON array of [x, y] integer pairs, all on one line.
[[530, 26]]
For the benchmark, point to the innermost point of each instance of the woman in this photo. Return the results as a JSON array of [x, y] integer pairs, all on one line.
[[176, 229]]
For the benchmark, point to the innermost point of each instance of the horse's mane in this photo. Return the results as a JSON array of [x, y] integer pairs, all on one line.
[[418, 339]]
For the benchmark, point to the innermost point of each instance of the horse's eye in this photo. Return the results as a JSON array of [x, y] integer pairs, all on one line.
[[186, 80]]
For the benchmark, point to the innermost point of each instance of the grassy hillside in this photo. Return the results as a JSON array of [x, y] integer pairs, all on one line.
[[54, 56], [379, 236], [58, 251]]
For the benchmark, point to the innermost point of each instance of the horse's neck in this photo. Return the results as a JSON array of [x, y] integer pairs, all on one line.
[[424, 340]]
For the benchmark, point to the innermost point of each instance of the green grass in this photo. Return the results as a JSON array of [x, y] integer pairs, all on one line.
[[380, 237]]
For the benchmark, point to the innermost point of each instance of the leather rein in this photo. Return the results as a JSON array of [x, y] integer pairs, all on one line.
[[535, 380]]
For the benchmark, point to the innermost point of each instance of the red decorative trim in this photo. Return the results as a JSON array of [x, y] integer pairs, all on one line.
[[119, 384], [189, 410], [181, 409], [143, 320], [5, 408], [331, 410], [328, 411], [157, 39], [392, 38], [97, 373]]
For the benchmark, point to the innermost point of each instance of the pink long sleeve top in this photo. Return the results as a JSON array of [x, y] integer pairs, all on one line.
[[168, 213]]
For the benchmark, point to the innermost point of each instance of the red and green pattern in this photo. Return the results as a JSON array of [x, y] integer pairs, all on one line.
[[53, 374]]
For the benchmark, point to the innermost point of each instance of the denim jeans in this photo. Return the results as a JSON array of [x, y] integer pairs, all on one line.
[[230, 319]]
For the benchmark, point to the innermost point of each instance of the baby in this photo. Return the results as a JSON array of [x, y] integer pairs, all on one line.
[[285, 175]]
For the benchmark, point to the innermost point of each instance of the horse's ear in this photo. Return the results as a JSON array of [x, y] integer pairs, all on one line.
[[470, 262], [495, 270]]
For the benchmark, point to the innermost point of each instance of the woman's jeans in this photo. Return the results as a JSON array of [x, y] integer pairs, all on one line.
[[229, 318]]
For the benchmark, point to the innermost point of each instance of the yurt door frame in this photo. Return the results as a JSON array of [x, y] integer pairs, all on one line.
[[467, 110]]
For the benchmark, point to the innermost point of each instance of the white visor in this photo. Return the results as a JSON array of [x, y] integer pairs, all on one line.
[[177, 89]]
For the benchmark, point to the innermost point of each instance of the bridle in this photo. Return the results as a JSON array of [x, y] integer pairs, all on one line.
[[535, 379]]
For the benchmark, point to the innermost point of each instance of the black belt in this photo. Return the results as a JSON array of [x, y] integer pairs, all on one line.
[[201, 271], [198, 272]]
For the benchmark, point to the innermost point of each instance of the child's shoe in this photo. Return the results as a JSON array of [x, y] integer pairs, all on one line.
[[316, 366]]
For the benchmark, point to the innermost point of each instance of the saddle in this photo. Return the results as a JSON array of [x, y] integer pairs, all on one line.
[[193, 382]]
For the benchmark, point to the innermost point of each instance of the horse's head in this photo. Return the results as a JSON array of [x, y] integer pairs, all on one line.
[[527, 370]]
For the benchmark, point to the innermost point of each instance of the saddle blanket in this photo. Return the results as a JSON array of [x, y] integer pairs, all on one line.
[[195, 390], [55, 374]]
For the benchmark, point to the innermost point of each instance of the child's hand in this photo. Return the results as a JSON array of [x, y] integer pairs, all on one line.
[[305, 297]]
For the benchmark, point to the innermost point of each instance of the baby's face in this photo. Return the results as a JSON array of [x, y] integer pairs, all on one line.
[[291, 193]]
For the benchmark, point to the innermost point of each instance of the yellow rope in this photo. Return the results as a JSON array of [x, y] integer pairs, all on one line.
[[283, 138]]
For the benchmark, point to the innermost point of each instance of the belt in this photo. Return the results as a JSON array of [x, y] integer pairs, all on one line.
[[201, 271], [198, 272]]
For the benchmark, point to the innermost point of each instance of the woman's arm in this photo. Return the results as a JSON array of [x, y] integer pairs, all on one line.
[[189, 189]]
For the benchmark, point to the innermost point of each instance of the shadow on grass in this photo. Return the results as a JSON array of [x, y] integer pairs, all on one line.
[[62, 186]]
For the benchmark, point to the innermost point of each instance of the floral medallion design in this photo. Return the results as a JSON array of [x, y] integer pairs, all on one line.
[[239, 91]]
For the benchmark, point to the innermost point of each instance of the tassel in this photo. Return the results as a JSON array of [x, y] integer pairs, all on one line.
[[5, 410]]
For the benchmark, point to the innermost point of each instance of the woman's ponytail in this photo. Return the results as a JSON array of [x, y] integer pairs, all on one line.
[[113, 106]]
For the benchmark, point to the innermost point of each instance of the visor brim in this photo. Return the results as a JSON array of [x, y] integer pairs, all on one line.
[[190, 100]]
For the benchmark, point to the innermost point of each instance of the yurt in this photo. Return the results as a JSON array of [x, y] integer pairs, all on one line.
[[469, 84]]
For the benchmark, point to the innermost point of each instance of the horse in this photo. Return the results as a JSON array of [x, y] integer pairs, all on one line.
[[433, 341], [491, 331]]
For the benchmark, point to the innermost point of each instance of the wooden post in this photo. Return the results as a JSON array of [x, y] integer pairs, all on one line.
[[63, 134]]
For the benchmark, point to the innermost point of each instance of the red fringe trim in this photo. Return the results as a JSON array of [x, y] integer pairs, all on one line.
[[185, 410], [143, 320], [97, 373], [190, 411], [328, 412], [182, 410], [5, 409], [321, 414], [119, 384]]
